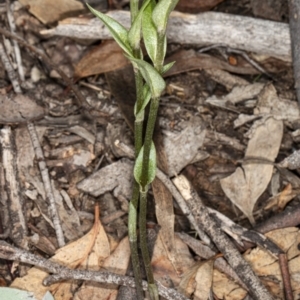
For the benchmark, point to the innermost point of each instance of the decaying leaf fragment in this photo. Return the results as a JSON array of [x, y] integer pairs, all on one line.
[[196, 6], [248, 182], [198, 280], [181, 148], [270, 104], [19, 109], [291, 162], [116, 177], [104, 58], [163, 269], [48, 11]]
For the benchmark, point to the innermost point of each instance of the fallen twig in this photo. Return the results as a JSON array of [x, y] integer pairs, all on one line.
[[294, 9], [62, 273], [209, 28]]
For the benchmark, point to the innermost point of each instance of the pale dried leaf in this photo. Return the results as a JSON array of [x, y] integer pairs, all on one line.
[[280, 200], [19, 109], [116, 177], [242, 93], [117, 263], [224, 288], [291, 162], [203, 281], [270, 104], [225, 78], [246, 185], [181, 148], [165, 217], [163, 269], [198, 280], [48, 11]]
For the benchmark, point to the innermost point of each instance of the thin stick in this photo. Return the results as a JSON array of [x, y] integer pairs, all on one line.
[[47, 184], [286, 278], [62, 273], [17, 51]]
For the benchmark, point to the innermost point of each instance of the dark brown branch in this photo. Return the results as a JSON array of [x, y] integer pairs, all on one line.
[[294, 9]]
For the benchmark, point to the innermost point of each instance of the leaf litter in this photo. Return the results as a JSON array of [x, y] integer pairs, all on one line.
[[97, 249]]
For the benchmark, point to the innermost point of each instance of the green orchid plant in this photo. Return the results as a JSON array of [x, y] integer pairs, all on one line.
[[148, 25]]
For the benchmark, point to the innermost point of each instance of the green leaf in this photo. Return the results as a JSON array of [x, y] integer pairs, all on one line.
[[167, 67], [151, 76], [48, 296], [138, 167], [161, 14], [134, 34], [118, 31], [15, 294], [149, 31], [139, 115]]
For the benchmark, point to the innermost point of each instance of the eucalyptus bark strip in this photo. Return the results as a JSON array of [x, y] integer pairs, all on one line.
[[245, 33], [19, 229]]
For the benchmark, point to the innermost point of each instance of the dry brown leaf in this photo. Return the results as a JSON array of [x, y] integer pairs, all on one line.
[[117, 263], [271, 10], [196, 6], [198, 280], [163, 269], [203, 281], [49, 11], [247, 184], [104, 58], [224, 288], [280, 200], [188, 60], [165, 217], [88, 252], [268, 268]]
